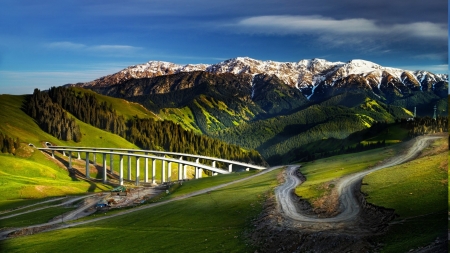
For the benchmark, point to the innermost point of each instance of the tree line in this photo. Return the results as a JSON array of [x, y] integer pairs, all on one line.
[[51, 117], [8, 144], [425, 125], [48, 108]]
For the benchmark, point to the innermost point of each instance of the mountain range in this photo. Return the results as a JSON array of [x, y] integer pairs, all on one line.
[[315, 78], [274, 107]]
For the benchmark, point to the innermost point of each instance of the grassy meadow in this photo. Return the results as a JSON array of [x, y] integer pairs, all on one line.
[[213, 222], [418, 191], [321, 174]]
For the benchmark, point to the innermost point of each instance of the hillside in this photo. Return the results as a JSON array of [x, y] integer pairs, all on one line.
[[38, 172], [30, 174]]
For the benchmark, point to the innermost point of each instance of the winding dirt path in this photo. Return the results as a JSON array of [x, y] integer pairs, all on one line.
[[348, 203]]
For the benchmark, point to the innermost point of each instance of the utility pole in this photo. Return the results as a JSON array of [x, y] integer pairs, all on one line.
[[434, 115]]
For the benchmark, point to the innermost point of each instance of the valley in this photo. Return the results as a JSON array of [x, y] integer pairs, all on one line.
[[338, 123]]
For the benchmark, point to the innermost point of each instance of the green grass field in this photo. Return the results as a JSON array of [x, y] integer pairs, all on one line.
[[212, 222], [320, 174], [418, 191]]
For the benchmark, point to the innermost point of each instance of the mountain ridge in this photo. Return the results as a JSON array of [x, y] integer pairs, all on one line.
[[307, 75]]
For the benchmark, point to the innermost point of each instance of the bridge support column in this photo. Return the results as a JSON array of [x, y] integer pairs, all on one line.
[[64, 153], [79, 156], [180, 169], [104, 168], [213, 164], [247, 169], [230, 167], [70, 160], [163, 171], [137, 170], [111, 169], [121, 169], [94, 160], [146, 169], [129, 168], [169, 172], [153, 171], [200, 171], [196, 172], [184, 171], [87, 165], [53, 153]]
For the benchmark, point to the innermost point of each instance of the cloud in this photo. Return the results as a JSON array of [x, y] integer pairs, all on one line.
[[320, 25], [433, 56], [67, 45]]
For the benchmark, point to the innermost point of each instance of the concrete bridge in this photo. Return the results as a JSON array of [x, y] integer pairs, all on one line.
[[148, 156]]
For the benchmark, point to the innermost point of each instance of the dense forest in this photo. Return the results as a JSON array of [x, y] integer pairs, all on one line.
[[48, 109], [8, 144], [51, 117]]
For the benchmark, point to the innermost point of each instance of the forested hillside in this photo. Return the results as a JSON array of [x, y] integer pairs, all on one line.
[[146, 133]]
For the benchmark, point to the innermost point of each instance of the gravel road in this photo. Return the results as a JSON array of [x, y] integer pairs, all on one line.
[[348, 204]]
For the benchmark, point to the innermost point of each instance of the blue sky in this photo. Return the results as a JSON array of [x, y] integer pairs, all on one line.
[[50, 43]]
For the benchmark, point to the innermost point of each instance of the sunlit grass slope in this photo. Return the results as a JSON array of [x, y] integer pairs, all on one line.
[[320, 174], [30, 174], [212, 222], [418, 191]]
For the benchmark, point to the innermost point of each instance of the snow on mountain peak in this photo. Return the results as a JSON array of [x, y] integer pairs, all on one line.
[[304, 74]]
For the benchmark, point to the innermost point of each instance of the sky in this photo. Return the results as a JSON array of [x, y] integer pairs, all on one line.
[[51, 43]]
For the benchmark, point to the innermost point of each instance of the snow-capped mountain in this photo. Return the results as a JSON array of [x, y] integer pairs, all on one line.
[[311, 77]]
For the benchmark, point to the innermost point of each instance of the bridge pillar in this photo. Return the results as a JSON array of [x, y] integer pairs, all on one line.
[[169, 172], [70, 160], [121, 169], [180, 169], [213, 164], [79, 156], [153, 171], [247, 169], [184, 171], [104, 168], [163, 171], [87, 165], [53, 153], [196, 172], [230, 167], [200, 171], [146, 169], [111, 169], [94, 160], [137, 170], [64, 153], [129, 168]]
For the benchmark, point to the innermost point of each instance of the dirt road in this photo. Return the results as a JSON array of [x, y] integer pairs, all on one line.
[[348, 204]]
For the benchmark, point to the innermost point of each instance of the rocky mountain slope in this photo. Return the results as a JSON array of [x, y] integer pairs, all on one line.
[[316, 79]]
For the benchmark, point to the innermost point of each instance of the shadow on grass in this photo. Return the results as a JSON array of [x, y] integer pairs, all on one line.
[[76, 175]]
